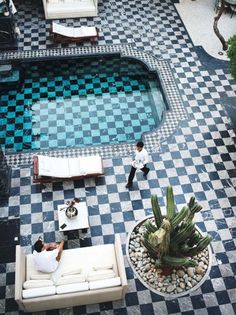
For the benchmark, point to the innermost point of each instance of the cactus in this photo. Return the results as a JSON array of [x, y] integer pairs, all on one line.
[[173, 240]]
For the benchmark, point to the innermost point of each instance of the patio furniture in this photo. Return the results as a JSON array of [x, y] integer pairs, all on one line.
[[61, 9], [61, 33], [79, 222], [51, 169]]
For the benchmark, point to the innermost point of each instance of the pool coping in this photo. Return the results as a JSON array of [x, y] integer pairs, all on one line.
[[152, 140]]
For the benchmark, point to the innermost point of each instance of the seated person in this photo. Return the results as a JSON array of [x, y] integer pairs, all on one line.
[[47, 256]]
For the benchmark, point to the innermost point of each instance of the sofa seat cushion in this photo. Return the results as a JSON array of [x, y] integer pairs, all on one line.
[[71, 279], [81, 6], [74, 287], [29, 284], [38, 292], [106, 283]]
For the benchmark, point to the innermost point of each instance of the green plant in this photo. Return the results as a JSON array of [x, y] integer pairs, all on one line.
[[231, 53], [173, 239]]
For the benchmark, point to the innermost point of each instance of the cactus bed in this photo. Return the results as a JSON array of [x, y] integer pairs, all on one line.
[[179, 281], [170, 242]]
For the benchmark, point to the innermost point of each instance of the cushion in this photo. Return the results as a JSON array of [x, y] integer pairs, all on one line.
[[103, 267], [71, 279], [74, 287], [37, 292], [29, 284], [42, 276], [106, 283], [71, 271], [100, 274]]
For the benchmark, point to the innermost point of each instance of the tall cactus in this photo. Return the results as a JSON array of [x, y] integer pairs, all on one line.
[[174, 239]]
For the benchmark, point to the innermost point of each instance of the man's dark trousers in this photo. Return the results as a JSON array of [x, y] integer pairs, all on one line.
[[145, 170]]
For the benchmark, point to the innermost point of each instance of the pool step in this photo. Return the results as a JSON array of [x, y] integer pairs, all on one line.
[[8, 74], [158, 99], [5, 69]]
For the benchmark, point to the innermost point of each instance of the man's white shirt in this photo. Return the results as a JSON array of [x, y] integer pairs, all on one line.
[[141, 158]]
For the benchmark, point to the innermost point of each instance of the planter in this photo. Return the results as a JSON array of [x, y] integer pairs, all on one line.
[[168, 282]]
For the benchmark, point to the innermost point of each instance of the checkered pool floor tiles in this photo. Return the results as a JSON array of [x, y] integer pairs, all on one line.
[[197, 159]]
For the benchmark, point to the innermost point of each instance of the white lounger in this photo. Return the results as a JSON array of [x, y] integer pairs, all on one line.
[[67, 33], [47, 168]]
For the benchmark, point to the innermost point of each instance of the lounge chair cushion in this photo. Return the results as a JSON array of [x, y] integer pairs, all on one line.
[[69, 167]]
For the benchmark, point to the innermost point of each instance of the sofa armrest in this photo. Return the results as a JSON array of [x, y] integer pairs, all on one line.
[[120, 264], [96, 6], [45, 9], [20, 275]]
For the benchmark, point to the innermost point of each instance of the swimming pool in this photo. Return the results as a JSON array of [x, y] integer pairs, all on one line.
[[80, 102]]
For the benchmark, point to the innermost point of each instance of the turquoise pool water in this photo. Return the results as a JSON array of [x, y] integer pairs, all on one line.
[[77, 103]]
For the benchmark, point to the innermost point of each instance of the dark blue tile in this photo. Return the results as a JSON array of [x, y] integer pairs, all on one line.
[[69, 194], [102, 199], [222, 257], [137, 204], [172, 306], [49, 237], [14, 211], [2, 291], [131, 298], [147, 309], [221, 224], [37, 228], [36, 207], [48, 216], [112, 188], [198, 302], [230, 282], [106, 218], [145, 193], [174, 181], [96, 230], [47, 196], [25, 199], [10, 278], [11, 305], [229, 245], [115, 207], [215, 235], [222, 297], [93, 210], [128, 216], [25, 219], [161, 174], [180, 199], [119, 227], [109, 239], [207, 287]]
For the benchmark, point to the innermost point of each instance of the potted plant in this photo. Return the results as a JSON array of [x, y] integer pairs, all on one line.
[[170, 245]]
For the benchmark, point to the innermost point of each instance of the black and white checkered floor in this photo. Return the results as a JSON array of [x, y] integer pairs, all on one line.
[[198, 159]]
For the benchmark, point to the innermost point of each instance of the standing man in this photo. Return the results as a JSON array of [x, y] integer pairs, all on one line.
[[47, 256], [139, 162]]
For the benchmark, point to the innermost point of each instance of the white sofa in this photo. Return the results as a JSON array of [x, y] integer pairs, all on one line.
[[85, 275], [60, 9]]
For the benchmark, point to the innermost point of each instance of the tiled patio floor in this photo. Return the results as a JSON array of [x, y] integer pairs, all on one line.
[[197, 159]]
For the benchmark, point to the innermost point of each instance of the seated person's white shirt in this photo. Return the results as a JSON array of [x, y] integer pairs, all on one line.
[[45, 261]]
